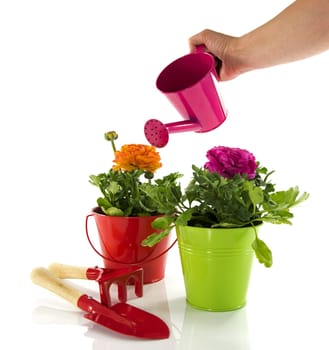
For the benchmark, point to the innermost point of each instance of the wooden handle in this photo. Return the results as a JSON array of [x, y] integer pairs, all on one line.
[[68, 271], [46, 279]]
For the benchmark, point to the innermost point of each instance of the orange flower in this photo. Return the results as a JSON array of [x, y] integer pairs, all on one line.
[[136, 156]]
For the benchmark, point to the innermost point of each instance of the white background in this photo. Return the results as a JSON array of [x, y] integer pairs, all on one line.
[[72, 70]]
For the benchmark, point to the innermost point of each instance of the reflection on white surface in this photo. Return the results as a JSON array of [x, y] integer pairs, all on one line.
[[44, 315], [225, 330], [189, 328], [55, 312]]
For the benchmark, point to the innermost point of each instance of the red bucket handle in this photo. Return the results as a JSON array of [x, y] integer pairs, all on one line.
[[120, 262]]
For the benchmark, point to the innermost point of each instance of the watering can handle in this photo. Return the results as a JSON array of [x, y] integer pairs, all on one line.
[[217, 62], [146, 260]]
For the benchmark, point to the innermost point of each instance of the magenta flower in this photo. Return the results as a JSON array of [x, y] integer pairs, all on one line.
[[228, 162]]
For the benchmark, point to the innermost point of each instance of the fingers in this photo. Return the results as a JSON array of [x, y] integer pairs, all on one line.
[[220, 46], [207, 38], [201, 38]]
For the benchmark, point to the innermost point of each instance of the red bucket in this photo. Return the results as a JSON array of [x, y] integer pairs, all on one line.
[[120, 242]]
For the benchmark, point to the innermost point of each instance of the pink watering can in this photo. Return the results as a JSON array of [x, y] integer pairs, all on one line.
[[189, 86]]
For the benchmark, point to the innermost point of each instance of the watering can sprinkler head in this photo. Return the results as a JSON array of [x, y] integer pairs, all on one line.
[[188, 84], [157, 133]]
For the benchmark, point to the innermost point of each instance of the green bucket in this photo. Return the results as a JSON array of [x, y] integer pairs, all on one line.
[[216, 264]]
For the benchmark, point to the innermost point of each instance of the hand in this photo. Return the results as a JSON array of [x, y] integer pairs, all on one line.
[[301, 30], [222, 47]]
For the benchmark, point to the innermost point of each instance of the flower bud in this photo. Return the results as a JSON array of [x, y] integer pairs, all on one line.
[[148, 175], [111, 136]]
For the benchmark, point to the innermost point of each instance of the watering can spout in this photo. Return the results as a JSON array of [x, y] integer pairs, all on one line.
[[188, 84], [157, 133]]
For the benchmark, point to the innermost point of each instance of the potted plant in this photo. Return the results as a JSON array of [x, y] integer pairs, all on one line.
[[124, 211], [217, 218]]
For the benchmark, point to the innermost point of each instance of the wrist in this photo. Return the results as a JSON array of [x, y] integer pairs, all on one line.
[[239, 55]]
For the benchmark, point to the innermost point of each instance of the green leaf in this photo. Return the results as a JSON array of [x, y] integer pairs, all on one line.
[[94, 180], [155, 238], [256, 195], [114, 187], [262, 252], [185, 217], [303, 197], [113, 211], [162, 222], [276, 219], [288, 199], [103, 203]]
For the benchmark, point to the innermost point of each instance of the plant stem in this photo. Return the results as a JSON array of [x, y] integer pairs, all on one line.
[[111, 136], [113, 146]]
